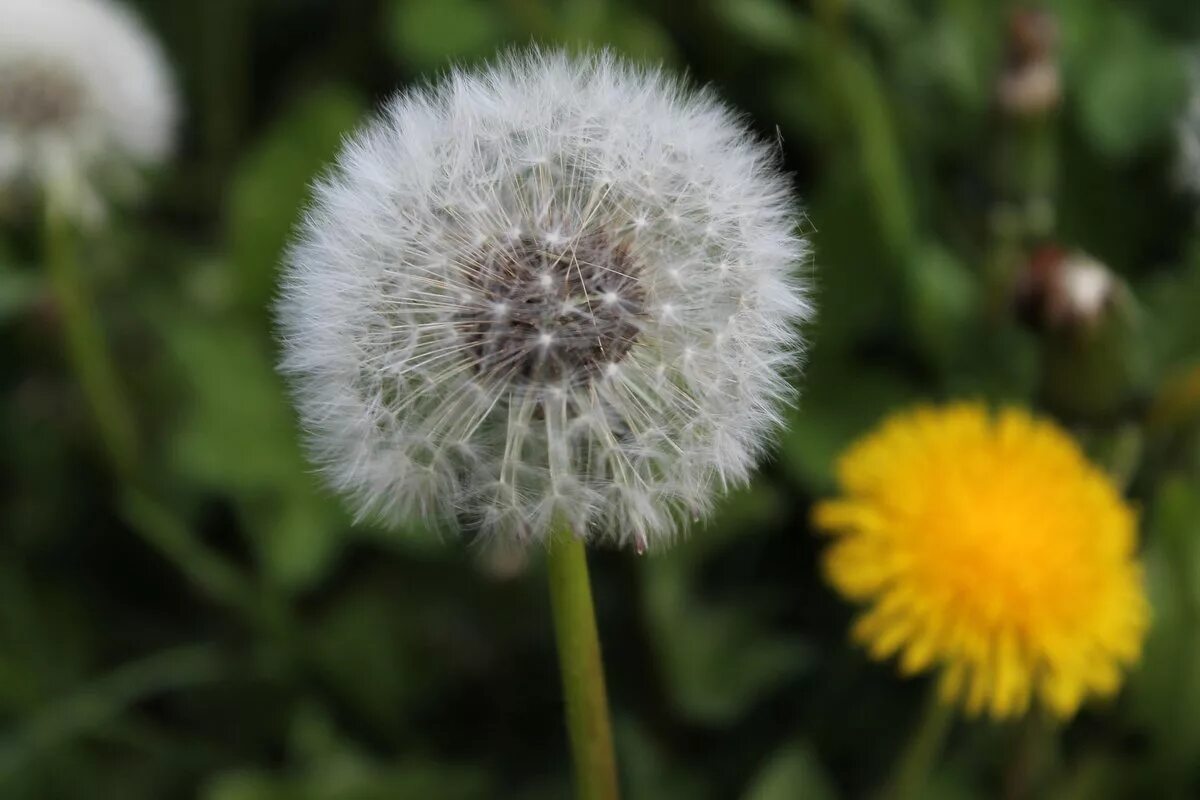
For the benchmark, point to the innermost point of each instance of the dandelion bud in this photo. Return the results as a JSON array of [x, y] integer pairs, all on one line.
[[1031, 84], [85, 97], [1062, 289], [1088, 321], [558, 287]]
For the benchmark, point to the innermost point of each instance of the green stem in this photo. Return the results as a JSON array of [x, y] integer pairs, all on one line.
[[921, 755], [221, 30], [1027, 184], [860, 97], [1033, 750], [220, 580], [86, 348], [94, 368], [582, 668]]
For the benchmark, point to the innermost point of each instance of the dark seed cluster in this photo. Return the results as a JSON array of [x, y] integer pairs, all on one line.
[[34, 97], [543, 312]]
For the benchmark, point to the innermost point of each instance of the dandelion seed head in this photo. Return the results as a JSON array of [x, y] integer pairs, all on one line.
[[37, 96], [481, 315], [1189, 133], [534, 339], [85, 100]]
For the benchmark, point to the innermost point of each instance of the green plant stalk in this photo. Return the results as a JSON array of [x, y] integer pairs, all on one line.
[[1033, 741], [220, 580], [86, 348], [911, 776], [582, 668], [1028, 183], [862, 100], [224, 31], [117, 429]]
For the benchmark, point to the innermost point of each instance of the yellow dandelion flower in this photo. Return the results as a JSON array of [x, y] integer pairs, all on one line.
[[988, 547]]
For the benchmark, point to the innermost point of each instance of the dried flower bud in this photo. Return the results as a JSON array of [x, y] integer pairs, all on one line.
[[1063, 289], [1031, 84], [1032, 36]]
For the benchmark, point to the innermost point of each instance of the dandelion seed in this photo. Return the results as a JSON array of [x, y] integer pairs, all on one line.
[[480, 335], [85, 100], [991, 549]]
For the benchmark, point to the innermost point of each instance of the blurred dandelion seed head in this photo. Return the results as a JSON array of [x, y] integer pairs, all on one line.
[[38, 96], [557, 287], [1189, 134], [988, 547], [85, 99]]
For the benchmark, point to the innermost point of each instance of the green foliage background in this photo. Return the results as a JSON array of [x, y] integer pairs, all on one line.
[[339, 661]]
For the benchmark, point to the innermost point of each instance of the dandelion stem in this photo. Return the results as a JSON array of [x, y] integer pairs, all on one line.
[[85, 344], [1034, 739], [117, 429], [220, 580], [582, 668], [921, 754]]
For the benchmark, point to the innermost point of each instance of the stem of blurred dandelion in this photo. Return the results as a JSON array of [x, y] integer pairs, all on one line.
[[911, 776], [85, 344], [97, 375], [1027, 177], [582, 668], [1033, 741]]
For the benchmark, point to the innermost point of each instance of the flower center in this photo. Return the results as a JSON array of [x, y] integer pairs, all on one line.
[[542, 310], [37, 96]]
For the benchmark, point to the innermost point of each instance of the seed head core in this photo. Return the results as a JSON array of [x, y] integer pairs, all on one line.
[[38, 96], [544, 310]]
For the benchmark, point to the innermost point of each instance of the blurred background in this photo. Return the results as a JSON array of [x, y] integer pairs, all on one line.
[[1001, 209]]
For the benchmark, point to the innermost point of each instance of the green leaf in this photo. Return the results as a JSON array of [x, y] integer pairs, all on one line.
[[1165, 689], [647, 770], [353, 779], [431, 34], [872, 128], [325, 765], [1131, 84], [793, 772], [1171, 337], [236, 434], [897, 22], [769, 24], [638, 37], [841, 402], [950, 57], [718, 658], [944, 301], [19, 289], [368, 652], [273, 183]]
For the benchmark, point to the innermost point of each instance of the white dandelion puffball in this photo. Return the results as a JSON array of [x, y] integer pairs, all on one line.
[[558, 288], [1189, 134], [85, 96]]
